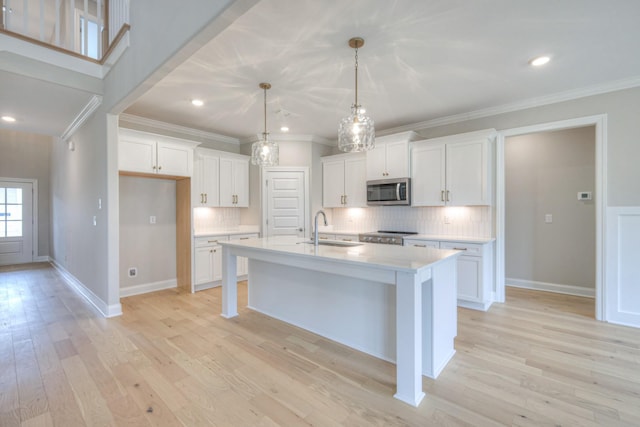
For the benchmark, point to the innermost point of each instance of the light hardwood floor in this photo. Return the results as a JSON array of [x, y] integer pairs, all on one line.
[[171, 360]]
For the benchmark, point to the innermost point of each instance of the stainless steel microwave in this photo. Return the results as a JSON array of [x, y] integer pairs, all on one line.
[[389, 192]]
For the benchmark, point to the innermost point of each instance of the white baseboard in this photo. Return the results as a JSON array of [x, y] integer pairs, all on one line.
[[481, 306], [551, 287], [106, 310], [44, 258], [148, 287]]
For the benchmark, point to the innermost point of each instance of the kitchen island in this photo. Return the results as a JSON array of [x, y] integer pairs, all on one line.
[[393, 302]]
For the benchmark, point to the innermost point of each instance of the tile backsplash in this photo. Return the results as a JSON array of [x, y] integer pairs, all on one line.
[[468, 221], [214, 219]]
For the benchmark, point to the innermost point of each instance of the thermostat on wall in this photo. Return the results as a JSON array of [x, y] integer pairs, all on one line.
[[584, 195]]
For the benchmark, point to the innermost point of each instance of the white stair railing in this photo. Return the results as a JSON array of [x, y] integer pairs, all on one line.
[[74, 25]]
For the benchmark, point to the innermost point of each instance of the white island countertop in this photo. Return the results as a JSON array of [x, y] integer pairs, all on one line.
[[387, 257]]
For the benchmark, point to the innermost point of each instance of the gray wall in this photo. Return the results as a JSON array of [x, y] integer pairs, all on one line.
[[543, 174], [151, 248], [27, 156]]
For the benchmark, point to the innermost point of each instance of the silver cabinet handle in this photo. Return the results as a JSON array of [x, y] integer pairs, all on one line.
[[244, 238], [398, 191], [459, 249], [154, 167], [212, 241], [448, 196], [442, 196], [345, 199], [420, 246], [159, 167], [206, 197], [347, 240]]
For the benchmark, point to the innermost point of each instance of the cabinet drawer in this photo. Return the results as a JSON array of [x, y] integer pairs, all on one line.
[[472, 249], [243, 236], [422, 243], [209, 241]]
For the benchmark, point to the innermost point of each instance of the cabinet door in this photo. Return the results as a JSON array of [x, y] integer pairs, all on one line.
[[397, 159], [468, 173], [174, 160], [355, 182], [203, 265], [470, 278], [427, 175], [333, 183], [376, 163], [197, 185], [209, 176], [136, 155], [226, 182], [217, 263], [241, 182]]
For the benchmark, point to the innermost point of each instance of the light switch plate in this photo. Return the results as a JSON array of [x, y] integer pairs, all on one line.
[[548, 218]]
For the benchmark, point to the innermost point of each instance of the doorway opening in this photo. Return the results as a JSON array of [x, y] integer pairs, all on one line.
[[599, 198], [550, 242]]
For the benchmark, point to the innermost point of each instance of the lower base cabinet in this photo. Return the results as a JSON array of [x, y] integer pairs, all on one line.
[[475, 271], [208, 260]]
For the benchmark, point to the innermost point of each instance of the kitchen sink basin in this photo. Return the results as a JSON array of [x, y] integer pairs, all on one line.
[[334, 243]]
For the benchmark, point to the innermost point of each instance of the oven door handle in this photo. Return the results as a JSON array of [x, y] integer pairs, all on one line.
[[398, 191]]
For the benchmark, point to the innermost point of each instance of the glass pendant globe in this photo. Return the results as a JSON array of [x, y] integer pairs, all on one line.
[[356, 132], [265, 152]]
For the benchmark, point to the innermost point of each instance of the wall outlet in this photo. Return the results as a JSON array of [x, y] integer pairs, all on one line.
[[548, 218], [447, 219], [152, 219], [133, 272]]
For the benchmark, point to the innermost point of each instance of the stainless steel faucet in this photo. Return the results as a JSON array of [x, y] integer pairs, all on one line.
[[315, 230]]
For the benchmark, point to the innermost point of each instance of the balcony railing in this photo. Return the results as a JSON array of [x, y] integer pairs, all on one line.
[[86, 28]]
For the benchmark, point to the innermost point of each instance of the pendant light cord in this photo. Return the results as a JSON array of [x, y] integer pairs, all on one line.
[[265, 112], [356, 75]]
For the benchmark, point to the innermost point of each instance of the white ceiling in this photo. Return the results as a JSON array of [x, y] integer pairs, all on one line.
[[422, 60]]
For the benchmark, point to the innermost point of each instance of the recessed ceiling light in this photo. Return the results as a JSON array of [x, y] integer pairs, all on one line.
[[284, 129], [8, 119], [539, 61], [197, 102]]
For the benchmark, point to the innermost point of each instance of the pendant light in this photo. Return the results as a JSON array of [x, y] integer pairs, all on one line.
[[356, 132], [265, 152]]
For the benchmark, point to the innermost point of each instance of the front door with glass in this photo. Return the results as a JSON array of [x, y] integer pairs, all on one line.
[[16, 224]]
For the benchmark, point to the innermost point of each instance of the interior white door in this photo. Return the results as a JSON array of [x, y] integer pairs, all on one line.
[[285, 198], [16, 222]]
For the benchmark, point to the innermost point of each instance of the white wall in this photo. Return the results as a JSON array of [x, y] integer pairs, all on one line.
[[27, 156], [543, 174], [151, 248]]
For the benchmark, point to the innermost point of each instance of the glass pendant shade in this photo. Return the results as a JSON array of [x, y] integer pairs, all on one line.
[[356, 132], [265, 152]]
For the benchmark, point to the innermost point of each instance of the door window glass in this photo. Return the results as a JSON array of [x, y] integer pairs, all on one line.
[[10, 212]]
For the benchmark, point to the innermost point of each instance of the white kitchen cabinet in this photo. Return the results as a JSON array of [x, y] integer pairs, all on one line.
[[453, 171], [207, 262], [344, 181], [474, 268], [390, 157], [146, 153], [206, 180], [234, 181]]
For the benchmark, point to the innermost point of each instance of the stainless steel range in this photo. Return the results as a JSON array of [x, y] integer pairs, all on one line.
[[386, 237]]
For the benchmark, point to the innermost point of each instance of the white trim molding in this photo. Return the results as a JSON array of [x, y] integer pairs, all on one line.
[[80, 288], [83, 115], [148, 287], [623, 269], [580, 291]]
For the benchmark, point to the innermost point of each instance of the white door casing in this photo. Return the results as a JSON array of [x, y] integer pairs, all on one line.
[[285, 201], [17, 200]]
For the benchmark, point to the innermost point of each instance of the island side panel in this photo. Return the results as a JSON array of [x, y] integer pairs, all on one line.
[[355, 312], [440, 317]]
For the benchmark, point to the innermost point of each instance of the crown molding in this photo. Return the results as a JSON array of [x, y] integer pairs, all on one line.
[[83, 115], [290, 137], [183, 130], [520, 105]]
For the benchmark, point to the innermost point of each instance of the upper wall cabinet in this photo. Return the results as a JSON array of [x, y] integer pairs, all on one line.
[[147, 153], [220, 179], [454, 170], [390, 157], [234, 181], [344, 181]]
